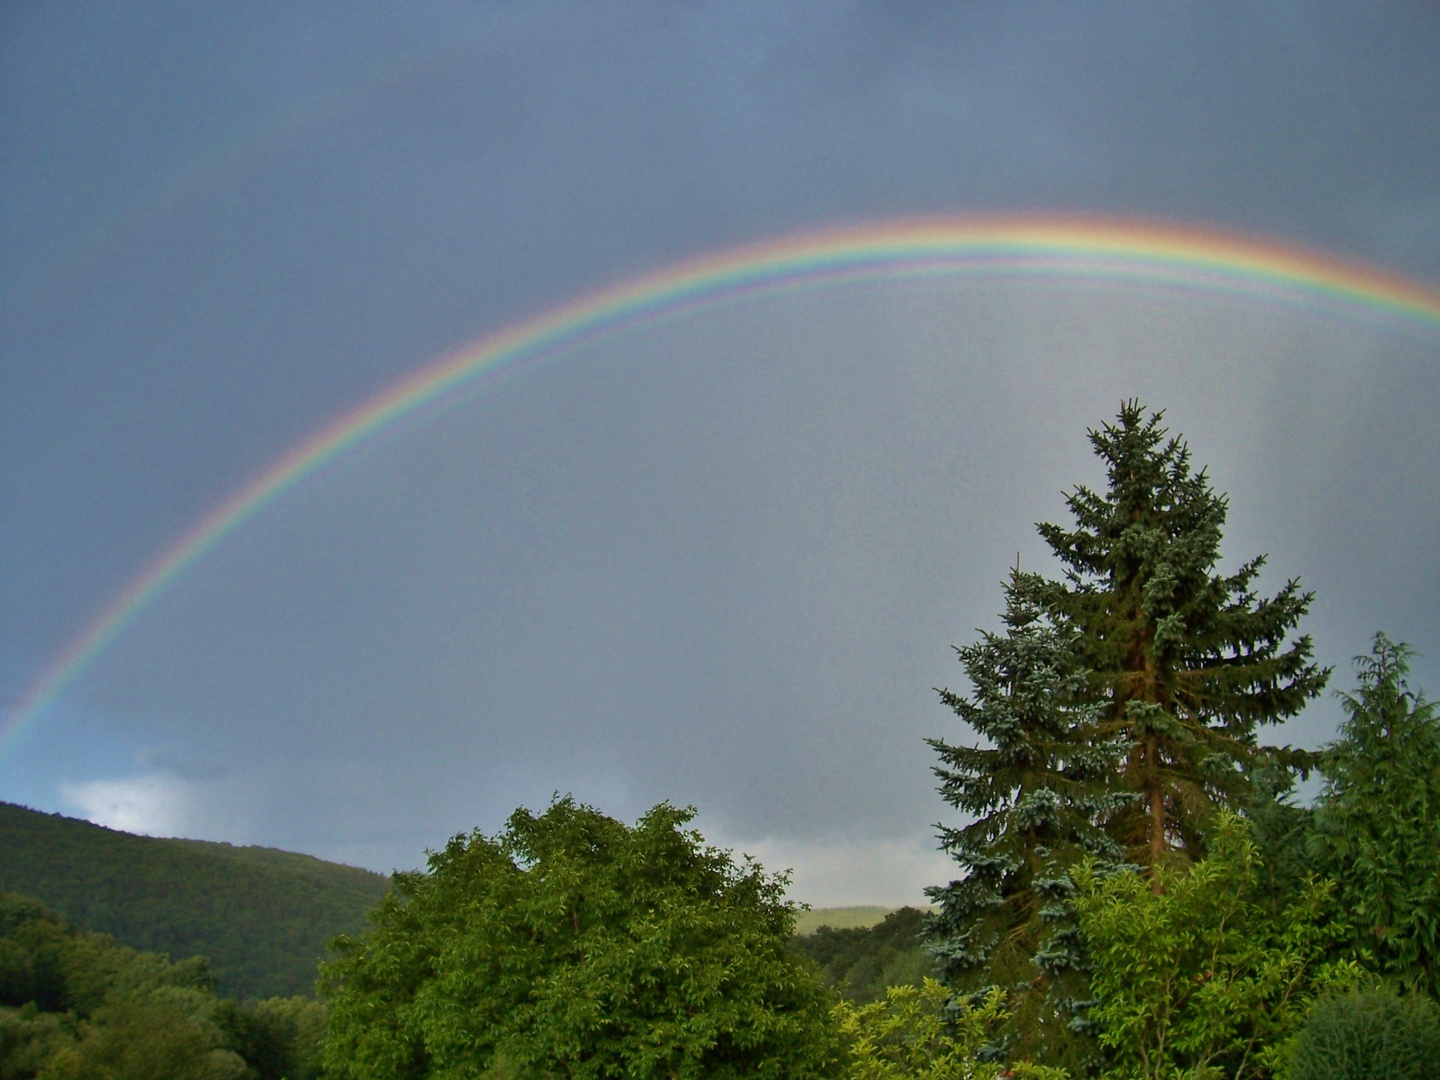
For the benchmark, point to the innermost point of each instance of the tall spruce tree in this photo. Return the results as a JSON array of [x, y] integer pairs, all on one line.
[[1185, 664], [1039, 795]]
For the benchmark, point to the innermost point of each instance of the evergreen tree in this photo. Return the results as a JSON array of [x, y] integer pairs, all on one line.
[[1378, 818], [1039, 795], [1280, 830], [1185, 663]]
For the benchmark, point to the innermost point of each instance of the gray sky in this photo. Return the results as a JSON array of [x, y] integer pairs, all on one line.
[[720, 561]]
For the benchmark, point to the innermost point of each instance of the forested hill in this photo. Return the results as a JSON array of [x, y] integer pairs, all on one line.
[[263, 917]]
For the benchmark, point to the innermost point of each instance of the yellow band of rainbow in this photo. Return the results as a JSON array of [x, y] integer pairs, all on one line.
[[1138, 252]]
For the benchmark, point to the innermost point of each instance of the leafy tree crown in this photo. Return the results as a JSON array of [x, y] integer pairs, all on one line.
[[574, 944]]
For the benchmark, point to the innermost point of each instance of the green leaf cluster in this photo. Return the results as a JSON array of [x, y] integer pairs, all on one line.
[[573, 944], [916, 1033], [1204, 976], [78, 1006]]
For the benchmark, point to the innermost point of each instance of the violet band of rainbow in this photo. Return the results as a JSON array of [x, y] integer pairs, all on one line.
[[1103, 250]]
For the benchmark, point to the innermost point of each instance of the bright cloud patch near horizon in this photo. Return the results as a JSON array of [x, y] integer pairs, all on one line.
[[151, 805]]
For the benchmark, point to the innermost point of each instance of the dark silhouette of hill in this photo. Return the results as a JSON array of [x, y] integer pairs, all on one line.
[[263, 917]]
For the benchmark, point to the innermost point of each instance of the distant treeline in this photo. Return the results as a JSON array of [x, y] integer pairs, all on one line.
[[861, 962], [263, 917], [79, 1006]]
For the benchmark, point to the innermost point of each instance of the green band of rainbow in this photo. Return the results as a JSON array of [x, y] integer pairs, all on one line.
[[1107, 250]]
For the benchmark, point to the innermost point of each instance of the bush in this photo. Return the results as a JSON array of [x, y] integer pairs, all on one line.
[[922, 1033], [1369, 1034], [1204, 976]]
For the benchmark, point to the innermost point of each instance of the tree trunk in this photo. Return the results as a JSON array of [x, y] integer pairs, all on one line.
[[1157, 813]]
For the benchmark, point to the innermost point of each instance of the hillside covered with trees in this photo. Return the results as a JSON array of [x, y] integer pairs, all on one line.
[[75, 1005], [861, 962], [262, 917]]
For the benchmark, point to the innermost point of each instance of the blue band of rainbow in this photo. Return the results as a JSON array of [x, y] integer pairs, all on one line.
[[1105, 250]]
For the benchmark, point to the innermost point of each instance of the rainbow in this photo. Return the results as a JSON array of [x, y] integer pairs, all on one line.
[[1142, 253]]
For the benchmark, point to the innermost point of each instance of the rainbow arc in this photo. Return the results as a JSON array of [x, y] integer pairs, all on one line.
[[1064, 248]]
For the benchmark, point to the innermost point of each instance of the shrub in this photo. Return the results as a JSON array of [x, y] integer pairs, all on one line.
[[921, 1033], [1369, 1034], [1203, 976]]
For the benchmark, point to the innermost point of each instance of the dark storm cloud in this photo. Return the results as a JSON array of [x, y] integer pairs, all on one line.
[[220, 228]]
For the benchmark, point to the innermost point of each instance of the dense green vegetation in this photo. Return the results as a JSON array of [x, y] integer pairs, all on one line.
[[1362, 1034], [79, 1006], [262, 917], [862, 962], [1377, 826], [1136, 881], [919, 1033], [808, 920], [1202, 973], [574, 945]]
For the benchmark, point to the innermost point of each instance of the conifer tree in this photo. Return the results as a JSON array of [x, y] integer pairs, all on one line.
[[1185, 663], [1039, 795], [1378, 817]]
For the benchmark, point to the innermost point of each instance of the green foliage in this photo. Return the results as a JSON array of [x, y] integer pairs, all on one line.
[[808, 920], [292, 1031], [1185, 662], [76, 1005], [168, 1036], [1378, 818], [573, 944], [1119, 710], [263, 917], [1205, 974], [278, 1037], [1280, 831], [29, 1038], [915, 1034], [1369, 1034], [862, 962], [1038, 797]]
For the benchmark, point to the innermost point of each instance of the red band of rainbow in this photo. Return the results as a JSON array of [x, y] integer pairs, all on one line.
[[1105, 250]]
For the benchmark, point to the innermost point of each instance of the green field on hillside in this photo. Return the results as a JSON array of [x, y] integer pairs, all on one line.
[[840, 918]]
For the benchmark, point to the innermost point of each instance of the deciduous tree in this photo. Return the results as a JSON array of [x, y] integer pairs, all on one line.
[[1205, 977], [572, 944]]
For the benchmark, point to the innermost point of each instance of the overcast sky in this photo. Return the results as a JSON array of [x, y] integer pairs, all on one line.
[[722, 561]]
